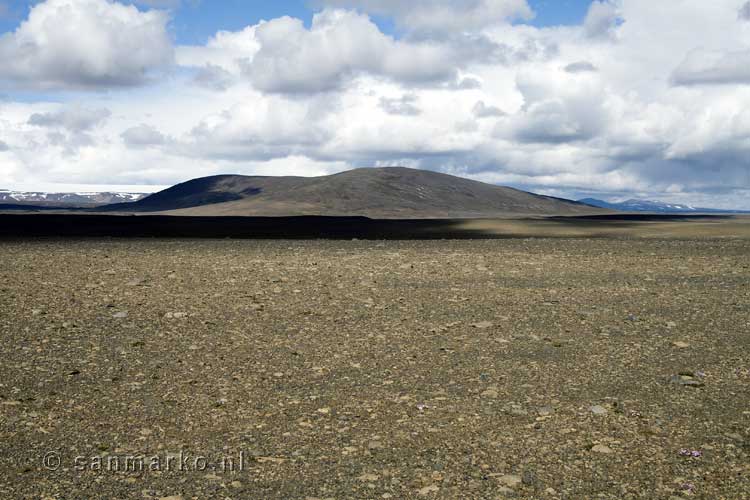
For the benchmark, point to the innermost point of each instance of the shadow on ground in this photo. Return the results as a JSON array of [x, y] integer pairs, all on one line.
[[624, 225]]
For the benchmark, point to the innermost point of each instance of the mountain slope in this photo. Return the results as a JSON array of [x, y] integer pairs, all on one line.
[[636, 205], [393, 192]]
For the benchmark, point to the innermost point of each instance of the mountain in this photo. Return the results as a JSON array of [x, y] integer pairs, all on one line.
[[392, 192], [66, 199], [635, 205]]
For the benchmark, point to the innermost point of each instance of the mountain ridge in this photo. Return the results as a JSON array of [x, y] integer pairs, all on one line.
[[386, 192], [78, 199], [642, 205]]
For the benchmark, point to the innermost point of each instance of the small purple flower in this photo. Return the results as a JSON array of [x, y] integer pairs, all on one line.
[[689, 487]]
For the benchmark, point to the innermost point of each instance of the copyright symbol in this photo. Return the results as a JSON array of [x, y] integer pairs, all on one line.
[[51, 461]]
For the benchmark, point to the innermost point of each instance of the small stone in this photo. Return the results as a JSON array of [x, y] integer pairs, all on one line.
[[653, 430], [681, 345], [427, 490], [482, 325], [599, 410], [120, 315], [545, 411], [368, 478], [504, 492], [375, 445], [601, 448], [510, 480], [529, 478], [685, 380]]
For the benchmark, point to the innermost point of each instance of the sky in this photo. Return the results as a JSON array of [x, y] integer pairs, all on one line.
[[613, 99]]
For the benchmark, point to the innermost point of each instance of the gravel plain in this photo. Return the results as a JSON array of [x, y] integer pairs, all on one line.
[[519, 368]]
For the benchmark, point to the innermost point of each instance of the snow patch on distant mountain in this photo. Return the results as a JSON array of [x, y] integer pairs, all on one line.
[[72, 199], [636, 205]]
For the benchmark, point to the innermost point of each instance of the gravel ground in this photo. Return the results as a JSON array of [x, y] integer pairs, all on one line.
[[550, 369]]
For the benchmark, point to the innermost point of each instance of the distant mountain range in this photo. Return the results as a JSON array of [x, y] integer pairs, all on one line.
[[635, 205], [391, 192], [381, 193], [66, 199]]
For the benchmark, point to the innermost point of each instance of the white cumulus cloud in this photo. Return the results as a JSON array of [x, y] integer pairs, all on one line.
[[84, 44]]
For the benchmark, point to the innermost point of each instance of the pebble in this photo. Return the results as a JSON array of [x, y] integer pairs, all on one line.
[[490, 393], [686, 380], [482, 325], [529, 478], [504, 491], [427, 490], [599, 410], [120, 315], [681, 345], [375, 445], [545, 411], [510, 480], [601, 448]]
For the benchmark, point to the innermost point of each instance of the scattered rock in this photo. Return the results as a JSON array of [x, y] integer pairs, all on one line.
[[505, 492], [545, 411], [176, 315], [686, 380], [368, 478], [510, 480], [428, 490], [599, 410], [120, 315], [529, 478], [601, 448], [375, 445], [681, 345], [482, 325], [490, 393]]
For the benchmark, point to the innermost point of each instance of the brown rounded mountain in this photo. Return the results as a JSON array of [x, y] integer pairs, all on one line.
[[392, 192]]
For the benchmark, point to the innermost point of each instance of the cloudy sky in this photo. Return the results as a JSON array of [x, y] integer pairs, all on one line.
[[612, 98]]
